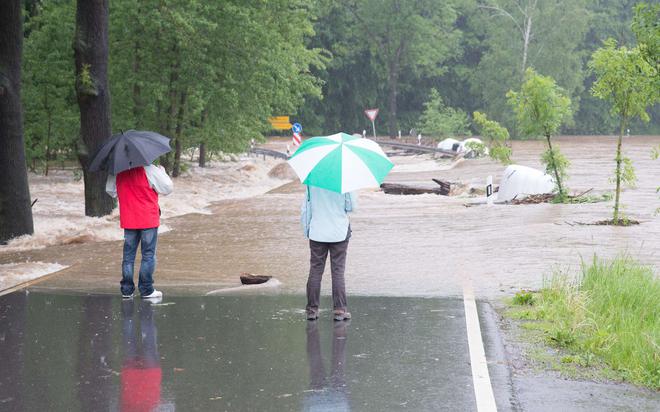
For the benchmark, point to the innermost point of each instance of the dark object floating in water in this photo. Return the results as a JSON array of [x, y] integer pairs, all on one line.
[[399, 189], [250, 279]]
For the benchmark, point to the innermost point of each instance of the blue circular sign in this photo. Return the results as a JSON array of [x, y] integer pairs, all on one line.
[[297, 128]]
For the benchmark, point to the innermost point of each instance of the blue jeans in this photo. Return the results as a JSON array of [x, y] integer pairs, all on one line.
[[147, 238]]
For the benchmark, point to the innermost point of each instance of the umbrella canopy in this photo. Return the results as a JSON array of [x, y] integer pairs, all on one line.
[[340, 163], [129, 149]]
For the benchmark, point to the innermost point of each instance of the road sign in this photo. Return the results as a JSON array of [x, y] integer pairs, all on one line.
[[297, 128], [280, 122], [371, 114]]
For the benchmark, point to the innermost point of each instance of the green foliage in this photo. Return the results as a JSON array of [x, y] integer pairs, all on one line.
[[647, 31], [541, 107], [629, 84], [496, 137], [609, 314], [524, 297], [440, 121], [557, 32], [49, 102], [211, 72], [624, 80]]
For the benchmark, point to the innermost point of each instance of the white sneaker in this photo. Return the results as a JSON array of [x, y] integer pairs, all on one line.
[[154, 295], [127, 296]]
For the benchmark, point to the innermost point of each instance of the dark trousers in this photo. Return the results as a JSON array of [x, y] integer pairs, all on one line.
[[318, 255]]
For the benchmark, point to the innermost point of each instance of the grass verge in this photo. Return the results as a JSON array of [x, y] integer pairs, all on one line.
[[608, 319]]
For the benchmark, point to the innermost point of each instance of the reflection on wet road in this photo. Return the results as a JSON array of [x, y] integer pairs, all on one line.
[[84, 353]]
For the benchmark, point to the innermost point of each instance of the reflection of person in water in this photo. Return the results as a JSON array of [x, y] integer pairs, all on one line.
[[141, 374], [327, 394]]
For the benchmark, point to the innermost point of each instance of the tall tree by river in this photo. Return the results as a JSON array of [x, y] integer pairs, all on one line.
[[90, 47], [405, 37], [15, 206]]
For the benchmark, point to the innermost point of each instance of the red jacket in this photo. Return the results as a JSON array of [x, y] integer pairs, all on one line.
[[138, 202]]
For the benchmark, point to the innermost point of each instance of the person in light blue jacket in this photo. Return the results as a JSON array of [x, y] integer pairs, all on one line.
[[327, 226]]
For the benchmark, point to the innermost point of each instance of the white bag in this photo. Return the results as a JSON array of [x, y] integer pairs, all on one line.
[[306, 214]]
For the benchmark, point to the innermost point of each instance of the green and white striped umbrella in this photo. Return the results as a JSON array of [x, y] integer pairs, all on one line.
[[340, 163]]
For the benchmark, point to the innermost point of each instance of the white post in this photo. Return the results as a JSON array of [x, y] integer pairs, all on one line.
[[373, 124], [489, 191], [399, 134], [364, 133], [419, 139]]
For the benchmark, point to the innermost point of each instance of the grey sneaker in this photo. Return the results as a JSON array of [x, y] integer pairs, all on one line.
[[153, 295], [340, 315]]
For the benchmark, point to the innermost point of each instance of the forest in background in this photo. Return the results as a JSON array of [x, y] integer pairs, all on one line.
[[209, 74]]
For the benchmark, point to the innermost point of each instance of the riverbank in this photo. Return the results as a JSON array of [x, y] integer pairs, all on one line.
[[602, 325]]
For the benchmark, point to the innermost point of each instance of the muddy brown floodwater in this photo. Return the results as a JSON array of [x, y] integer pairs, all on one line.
[[424, 245]]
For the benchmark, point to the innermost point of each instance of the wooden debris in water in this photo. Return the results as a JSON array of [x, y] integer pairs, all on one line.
[[399, 189]]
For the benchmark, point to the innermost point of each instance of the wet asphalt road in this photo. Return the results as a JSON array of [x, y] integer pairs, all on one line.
[[255, 353]]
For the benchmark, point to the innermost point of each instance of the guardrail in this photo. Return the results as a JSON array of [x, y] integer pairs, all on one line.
[[258, 151], [416, 148]]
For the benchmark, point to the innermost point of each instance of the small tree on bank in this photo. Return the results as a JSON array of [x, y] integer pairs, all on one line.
[[625, 80], [541, 107], [441, 121], [496, 137]]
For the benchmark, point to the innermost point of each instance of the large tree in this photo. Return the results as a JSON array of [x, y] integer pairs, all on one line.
[[52, 120], [517, 34], [406, 38], [90, 47], [15, 206]]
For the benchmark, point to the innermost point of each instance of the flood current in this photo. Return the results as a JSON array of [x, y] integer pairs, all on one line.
[[425, 245]]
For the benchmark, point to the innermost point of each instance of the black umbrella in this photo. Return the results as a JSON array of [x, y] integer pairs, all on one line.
[[129, 149]]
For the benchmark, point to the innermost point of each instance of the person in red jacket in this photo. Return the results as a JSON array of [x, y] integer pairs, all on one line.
[[139, 215]]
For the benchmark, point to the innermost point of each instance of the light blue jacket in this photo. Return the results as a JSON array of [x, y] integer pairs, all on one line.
[[326, 214]]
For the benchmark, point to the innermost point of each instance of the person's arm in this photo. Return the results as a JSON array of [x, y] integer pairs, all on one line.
[[159, 180], [111, 186]]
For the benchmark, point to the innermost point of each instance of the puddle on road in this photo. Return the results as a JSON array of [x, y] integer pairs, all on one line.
[[85, 353]]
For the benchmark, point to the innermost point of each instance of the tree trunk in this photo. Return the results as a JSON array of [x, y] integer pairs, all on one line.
[[15, 205], [176, 170], [170, 113], [137, 90], [553, 165], [619, 160], [527, 36], [393, 85], [202, 145], [202, 154], [49, 132], [90, 47]]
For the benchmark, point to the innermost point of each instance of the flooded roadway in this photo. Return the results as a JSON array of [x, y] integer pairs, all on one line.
[[423, 245], [92, 353]]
